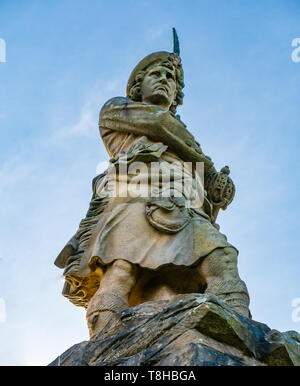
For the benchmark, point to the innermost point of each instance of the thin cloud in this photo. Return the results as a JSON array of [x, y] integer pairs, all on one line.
[[83, 127], [13, 171], [86, 123]]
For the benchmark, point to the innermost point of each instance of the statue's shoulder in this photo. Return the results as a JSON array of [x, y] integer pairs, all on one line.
[[115, 103]]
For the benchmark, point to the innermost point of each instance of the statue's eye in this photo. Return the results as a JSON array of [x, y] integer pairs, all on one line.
[[170, 76], [155, 74]]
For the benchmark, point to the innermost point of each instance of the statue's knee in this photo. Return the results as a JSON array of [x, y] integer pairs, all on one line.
[[230, 257], [122, 270], [229, 263], [122, 265], [220, 264]]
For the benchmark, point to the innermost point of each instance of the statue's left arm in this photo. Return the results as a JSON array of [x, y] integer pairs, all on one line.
[[126, 116]]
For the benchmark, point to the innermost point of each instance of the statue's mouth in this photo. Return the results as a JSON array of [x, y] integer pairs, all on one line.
[[162, 88]]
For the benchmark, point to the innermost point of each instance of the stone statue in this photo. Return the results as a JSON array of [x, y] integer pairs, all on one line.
[[132, 249]]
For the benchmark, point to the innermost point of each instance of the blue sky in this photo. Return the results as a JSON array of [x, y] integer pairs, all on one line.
[[64, 60]]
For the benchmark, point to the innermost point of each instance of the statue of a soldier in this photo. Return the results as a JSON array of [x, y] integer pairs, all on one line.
[[130, 249]]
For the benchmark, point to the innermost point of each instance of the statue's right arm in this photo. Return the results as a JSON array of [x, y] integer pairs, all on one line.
[[124, 115]]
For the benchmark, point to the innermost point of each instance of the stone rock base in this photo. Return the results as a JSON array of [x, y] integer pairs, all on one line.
[[188, 330]]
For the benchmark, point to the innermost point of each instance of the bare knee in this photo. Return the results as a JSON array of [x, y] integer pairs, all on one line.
[[123, 266], [120, 275], [221, 264], [122, 270], [229, 260]]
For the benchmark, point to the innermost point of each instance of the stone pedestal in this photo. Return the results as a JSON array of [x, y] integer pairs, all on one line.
[[188, 330]]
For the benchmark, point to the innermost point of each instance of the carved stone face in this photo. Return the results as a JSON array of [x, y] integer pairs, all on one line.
[[159, 86]]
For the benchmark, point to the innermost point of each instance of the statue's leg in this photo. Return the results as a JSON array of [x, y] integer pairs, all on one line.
[[112, 295], [220, 273]]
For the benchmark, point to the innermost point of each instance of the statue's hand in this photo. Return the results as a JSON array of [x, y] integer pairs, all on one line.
[[220, 189]]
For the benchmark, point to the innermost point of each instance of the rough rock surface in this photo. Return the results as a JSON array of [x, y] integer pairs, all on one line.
[[188, 330]]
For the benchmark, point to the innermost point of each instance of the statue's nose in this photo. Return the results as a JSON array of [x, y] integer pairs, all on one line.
[[163, 79]]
